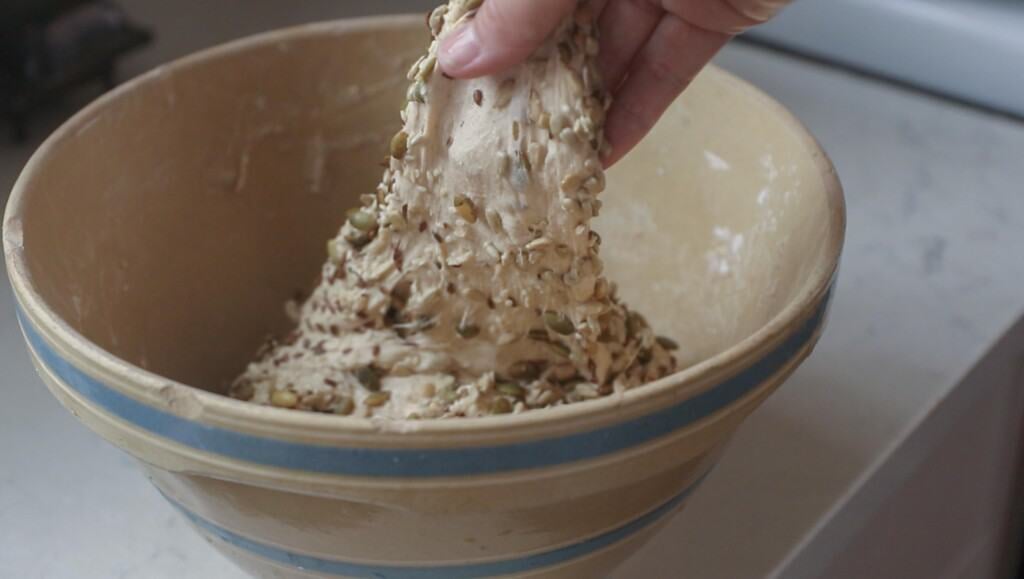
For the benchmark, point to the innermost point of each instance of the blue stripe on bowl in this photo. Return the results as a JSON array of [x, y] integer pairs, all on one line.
[[421, 463], [469, 571]]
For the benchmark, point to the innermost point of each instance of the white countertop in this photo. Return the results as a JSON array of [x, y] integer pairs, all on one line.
[[931, 277]]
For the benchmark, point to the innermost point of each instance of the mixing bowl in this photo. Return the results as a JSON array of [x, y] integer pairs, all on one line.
[[152, 241]]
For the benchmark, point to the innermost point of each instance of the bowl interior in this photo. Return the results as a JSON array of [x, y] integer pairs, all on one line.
[[169, 222]]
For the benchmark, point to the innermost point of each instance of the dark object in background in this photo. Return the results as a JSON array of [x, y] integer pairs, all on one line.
[[50, 47]]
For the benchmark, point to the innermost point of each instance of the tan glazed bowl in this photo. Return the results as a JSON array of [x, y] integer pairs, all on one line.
[[152, 240]]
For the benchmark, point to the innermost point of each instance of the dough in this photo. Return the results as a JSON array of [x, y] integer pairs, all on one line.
[[470, 284]]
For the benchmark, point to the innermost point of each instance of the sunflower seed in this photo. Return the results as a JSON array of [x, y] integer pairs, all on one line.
[[465, 208], [538, 244], [587, 390], [571, 183], [537, 153], [594, 184], [504, 163], [504, 96], [375, 399], [494, 220], [536, 108], [544, 121], [556, 123]]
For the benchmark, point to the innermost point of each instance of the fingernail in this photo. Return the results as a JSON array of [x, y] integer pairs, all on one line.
[[460, 50]]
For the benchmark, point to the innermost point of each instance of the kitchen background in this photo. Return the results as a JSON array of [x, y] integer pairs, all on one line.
[[893, 453]]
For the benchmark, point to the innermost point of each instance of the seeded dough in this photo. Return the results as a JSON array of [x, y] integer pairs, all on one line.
[[469, 284]]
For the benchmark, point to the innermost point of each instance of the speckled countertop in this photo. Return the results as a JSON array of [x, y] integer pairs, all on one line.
[[932, 275]]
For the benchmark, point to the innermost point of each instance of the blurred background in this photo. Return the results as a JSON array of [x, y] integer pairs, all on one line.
[[899, 440]]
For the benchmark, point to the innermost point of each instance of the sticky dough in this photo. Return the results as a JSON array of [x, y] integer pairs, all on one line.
[[470, 283]]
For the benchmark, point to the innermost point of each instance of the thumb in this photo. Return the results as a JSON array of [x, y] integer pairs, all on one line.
[[502, 34]]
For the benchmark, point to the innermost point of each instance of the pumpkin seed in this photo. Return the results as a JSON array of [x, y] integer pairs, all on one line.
[[356, 238], [427, 67], [436, 20], [510, 389], [449, 393], [525, 370], [667, 343], [501, 406], [558, 349], [399, 144], [284, 399], [417, 92], [558, 323], [467, 331], [635, 324], [369, 378], [333, 251], [539, 334], [243, 391], [565, 52], [363, 220], [345, 407]]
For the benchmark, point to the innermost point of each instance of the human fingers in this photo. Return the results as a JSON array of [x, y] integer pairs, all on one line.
[[502, 34]]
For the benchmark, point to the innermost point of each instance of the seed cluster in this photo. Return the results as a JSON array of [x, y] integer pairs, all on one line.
[[469, 282]]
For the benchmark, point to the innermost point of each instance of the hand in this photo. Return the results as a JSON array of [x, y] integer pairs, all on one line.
[[650, 49]]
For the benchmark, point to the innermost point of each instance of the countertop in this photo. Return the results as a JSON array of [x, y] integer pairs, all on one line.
[[931, 277]]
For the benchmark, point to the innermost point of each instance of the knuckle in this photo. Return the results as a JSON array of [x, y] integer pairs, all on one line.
[[665, 72]]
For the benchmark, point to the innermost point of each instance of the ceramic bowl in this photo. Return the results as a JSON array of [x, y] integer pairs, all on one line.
[[152, 240]]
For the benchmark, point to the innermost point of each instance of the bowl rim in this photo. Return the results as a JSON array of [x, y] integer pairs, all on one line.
[[147, 386]]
